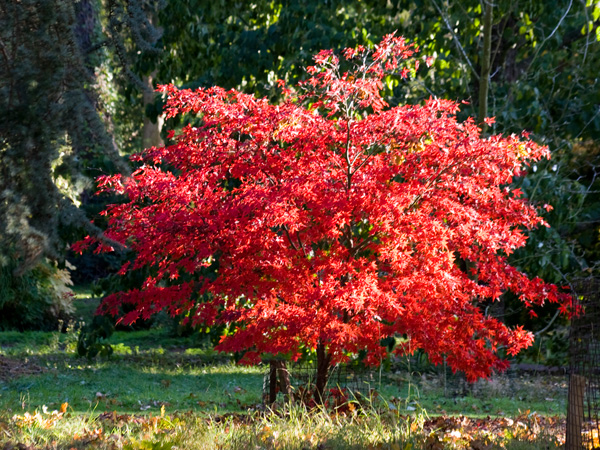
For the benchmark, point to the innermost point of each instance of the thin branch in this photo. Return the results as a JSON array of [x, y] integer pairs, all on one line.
[[551, 34], [363, 244], [78, 217], [362, 164], [98, 46], [8, 69], [349, 236], [500, 33], [301, 244], [587, 36], [484, 81], [287, 233], [456, 41], [588, 123], [431, 182], [349, 164], [543, 330], [3, 47]]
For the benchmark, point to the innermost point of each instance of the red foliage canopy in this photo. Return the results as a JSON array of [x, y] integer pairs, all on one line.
[[335, 220]]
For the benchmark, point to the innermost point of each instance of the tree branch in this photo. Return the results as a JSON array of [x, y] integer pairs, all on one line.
[[300, 243], [456, 41], [77, 217], [550, 36], [432, 181], [287, 233]]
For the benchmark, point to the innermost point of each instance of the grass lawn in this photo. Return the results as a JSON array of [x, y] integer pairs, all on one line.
[[159, 391]]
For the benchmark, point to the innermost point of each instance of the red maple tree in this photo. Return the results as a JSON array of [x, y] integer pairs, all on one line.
[[335, 221]]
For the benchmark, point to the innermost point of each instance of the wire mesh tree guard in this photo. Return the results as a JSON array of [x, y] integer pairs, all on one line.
[[296, 380], [583, 424]]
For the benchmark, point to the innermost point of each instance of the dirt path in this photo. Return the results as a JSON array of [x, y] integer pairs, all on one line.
[[11, 368]]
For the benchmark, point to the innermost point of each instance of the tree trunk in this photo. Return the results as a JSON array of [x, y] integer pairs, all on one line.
[[279, 381], [272, 383], [575, 412], [323, 360], [151, 130], [284, 379], [484, 79]]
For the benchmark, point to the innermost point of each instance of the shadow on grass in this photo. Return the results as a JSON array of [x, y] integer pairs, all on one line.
[[133, 387]]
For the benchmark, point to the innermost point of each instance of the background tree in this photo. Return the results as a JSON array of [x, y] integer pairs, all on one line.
[[52, 138], [539, 79]]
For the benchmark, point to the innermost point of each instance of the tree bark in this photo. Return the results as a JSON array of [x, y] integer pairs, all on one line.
[[484, 79], [279, 381], [323, 361], [151, 130], [284, 379], [575, 412], [272, 383]]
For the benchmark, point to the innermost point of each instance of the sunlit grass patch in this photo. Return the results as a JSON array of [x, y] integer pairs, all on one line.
[[122, 386], [366, 426]]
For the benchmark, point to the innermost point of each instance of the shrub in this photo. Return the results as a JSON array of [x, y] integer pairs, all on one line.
[[36, 300]]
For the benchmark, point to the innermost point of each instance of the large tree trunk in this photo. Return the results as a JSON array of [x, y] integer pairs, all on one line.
[[323, 361], [151, 130]]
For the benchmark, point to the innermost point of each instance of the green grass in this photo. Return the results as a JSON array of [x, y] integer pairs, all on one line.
[[110, 386], [139, 377], [156, 393], [151, 368], [160, 391]]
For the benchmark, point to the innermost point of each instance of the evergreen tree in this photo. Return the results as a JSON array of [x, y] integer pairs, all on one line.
[[51, 132]]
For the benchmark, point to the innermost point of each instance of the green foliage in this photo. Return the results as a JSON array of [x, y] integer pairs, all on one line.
[[93, 338], [36, 300], [249, 48], [543, 61]]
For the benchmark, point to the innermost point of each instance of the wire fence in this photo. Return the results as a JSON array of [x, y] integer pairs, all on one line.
[[349, 381], [411, 378], [583, 424]]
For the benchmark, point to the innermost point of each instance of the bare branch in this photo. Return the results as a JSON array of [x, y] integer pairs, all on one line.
[[550, 36], [456, 41]]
